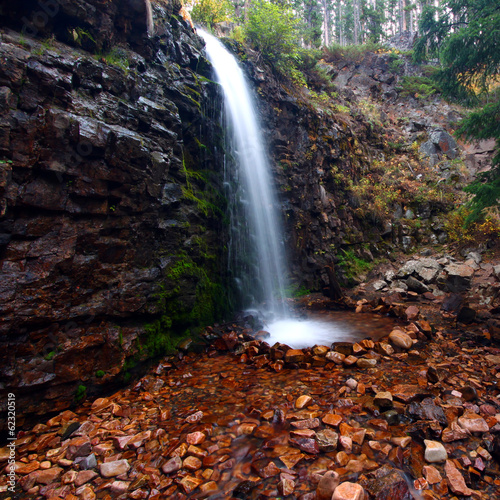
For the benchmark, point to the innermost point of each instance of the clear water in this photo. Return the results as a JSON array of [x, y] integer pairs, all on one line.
[[265, 289]]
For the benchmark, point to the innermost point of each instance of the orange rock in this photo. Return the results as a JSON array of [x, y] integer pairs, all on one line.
[[192, 463], [332, 419], [303, 401]]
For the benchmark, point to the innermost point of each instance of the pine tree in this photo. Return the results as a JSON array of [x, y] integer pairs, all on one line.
[[468, 45]]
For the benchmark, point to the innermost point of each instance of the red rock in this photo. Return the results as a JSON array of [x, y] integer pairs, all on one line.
[[194, 418], [84, 476], [85, 493], [310, 423], [48, 476], [455, 480], [408, 392], [209, 488], [294, 356], [431, 474], [120, 487], [306, 444], [291, 458], [327, 440], [173, 465], [286, 487], [400, 339], [327, 485], [195, 438], [190, 483], [180, 451], [412, 313], [264, 431], [138, 440], [335, 357], [23, 469], [78, 447], [472, 422], [121, 442], [350, 360]]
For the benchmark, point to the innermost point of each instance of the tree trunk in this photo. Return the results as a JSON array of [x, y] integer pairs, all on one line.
[[356, 21], [326, 22], [401, 14]]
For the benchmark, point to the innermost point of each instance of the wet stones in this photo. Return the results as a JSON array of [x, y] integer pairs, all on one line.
[[327, 485], [383, 400], [303, 401], [472, 422], [115, 468], [173, 465], [400, 339], [349, 491], [327, 440], [455, 480], [435, 452]]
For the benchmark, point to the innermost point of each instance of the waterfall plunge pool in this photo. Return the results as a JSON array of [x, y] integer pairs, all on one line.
[[327, 327]]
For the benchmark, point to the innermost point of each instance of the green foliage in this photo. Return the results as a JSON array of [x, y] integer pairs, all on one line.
[[207, 200], [50, 356], [373, 17], [238, 34], [273, 31], [312, 20], [99, 373], [420, 87], [81, 37], [296, 291], [117, 57], [484, 124], [396, 62], [210, 12], [475, 231], [464, 35], [352, 265], [183, 314], [80, 393]]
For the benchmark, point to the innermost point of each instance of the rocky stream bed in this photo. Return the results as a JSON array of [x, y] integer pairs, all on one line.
[[415, 414]]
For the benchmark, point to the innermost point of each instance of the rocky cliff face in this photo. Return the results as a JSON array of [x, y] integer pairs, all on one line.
[[110, 217], [334, 153]]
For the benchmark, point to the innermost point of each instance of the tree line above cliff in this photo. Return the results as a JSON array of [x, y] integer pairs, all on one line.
[[461, 36]]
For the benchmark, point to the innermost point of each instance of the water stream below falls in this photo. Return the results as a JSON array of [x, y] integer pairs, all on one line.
[[264, 280]]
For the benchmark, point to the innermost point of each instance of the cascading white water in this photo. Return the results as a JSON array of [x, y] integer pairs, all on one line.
[[255, 173], [269, 267]]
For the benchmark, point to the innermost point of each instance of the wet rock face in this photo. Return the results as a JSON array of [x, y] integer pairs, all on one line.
[[105, 219]]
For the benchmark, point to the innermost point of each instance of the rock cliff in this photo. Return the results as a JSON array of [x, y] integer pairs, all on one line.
[[110, 213]]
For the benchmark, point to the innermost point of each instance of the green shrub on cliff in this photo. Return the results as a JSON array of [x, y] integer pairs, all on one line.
[[210, 12], [273, 31]]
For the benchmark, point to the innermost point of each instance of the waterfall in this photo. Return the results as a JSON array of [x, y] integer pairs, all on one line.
[[268, 266], [261, 269]]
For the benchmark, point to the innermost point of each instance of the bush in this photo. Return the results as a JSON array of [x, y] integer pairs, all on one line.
[[420, 87], [210, 12], [273, 31], [349, 53]]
